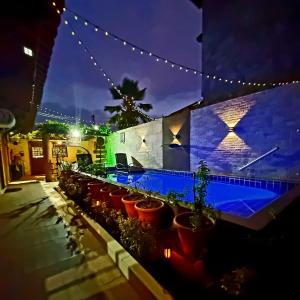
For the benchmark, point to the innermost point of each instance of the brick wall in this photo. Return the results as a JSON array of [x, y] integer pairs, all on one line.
[[253, 41], [261, 121]]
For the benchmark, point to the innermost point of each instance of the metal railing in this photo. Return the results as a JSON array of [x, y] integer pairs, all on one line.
[[258, 158]]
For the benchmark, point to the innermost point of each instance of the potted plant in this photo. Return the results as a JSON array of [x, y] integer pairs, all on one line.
[[130, 200], [138, 240], [149, 210], [194, 227], [116, 199], [173, 199]]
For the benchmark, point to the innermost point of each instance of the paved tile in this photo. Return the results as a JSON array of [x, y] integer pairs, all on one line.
[[34, 258]]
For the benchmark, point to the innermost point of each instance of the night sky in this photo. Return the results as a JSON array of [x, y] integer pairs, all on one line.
[[166, 27]]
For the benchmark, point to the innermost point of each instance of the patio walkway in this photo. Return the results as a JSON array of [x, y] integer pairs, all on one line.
[[43, 257]]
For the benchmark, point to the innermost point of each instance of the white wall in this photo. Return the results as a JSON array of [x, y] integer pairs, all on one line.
[[149, 153]]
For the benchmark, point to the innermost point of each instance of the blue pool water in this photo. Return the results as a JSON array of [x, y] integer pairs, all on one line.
[[239, 200]]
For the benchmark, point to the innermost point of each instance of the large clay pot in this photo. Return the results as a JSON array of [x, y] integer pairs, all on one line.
[[94, 189], [149, 212], [116, 199], [83, 182], [192, 241], [129, 202], [106, 190]]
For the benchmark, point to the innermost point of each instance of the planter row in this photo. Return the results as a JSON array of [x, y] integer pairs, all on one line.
[[152, 213]]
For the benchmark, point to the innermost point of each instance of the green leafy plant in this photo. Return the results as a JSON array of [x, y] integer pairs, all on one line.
[[65, 166], [203, 212], [83, 164], [173, 198], [138, 240], [235, 282], [53, 128], [96, 169]]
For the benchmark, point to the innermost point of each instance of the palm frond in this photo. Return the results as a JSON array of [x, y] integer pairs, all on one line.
[[114, 92], [113, 109], [145, 106]]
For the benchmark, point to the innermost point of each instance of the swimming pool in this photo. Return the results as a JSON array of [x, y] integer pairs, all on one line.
[[236, 196]]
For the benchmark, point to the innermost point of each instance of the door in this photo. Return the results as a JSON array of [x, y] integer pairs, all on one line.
[[36, 158], [2, 184]]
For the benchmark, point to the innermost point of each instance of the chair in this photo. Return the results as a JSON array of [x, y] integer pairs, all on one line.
[[122, 164]]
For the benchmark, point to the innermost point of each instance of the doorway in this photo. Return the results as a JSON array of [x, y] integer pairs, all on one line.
[[36, 157], [2, 183]]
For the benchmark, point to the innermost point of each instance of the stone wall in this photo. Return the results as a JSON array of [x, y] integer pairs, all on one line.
[[142, 144], [260, 122]]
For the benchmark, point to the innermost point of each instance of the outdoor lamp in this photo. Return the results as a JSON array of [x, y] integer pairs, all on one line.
[[75, 133]]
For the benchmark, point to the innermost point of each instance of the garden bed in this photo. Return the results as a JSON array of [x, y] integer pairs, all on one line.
[[237, 263]]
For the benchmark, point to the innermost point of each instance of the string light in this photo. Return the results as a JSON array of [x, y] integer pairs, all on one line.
[[167, 61], [45, 111], [105, 74]]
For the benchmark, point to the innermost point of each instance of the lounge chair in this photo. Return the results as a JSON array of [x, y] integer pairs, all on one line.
[[122, 164]]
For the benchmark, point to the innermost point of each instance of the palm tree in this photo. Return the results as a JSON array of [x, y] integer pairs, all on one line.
[[129, 113]]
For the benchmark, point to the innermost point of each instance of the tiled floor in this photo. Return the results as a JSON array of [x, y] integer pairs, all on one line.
[[35, 262]]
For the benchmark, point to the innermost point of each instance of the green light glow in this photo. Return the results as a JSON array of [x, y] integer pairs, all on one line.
[[111, 146]]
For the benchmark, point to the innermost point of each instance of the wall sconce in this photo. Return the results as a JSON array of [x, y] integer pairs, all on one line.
[[231, 129], [144, 141], [167, 253], [176, 136]]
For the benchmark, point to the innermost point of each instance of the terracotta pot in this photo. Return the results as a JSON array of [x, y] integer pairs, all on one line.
[[149, 212], [178, 209], [94, 189], [106, 190], [74, 178], [192, 241], [64, 174], [116, 199], [129, 202], [84, 181]]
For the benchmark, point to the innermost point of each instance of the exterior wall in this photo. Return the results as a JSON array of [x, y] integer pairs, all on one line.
[[5, 159], [149, 153], [22, 146], [72, 151], [251, 41], [261, 121], [176, 124]]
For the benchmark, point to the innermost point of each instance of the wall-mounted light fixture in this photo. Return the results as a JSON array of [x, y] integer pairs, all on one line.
[[231, 129], [176, 136], [144, 141]]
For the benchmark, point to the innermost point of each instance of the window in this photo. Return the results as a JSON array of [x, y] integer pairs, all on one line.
[[59, 150], [37, 152], [122, 137]]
